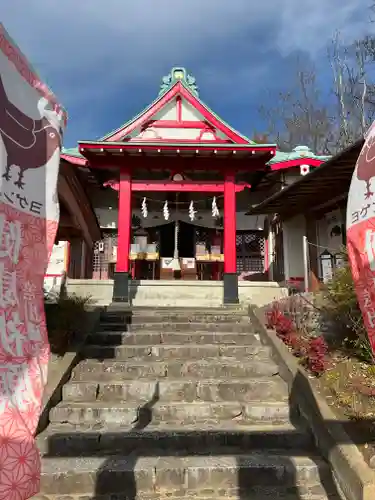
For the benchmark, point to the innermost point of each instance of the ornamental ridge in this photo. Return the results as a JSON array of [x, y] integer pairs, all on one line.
[[179, 74]]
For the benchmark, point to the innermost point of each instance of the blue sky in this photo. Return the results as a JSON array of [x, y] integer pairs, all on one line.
[[105, 59]]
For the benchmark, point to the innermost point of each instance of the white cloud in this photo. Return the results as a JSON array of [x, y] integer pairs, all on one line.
[[310, 24], [94, 49], [131, 37]]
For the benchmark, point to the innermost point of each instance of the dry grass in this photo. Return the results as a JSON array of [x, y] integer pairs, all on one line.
[[349, 387]]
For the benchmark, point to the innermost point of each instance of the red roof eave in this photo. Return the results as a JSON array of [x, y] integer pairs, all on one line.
[[313, 162], [73, 159], [178, 147]]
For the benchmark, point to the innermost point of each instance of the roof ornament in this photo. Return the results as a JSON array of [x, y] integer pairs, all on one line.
[[303, 151], [179, 74]]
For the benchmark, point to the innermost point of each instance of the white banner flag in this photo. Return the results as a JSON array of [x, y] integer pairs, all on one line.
[[31, 127]]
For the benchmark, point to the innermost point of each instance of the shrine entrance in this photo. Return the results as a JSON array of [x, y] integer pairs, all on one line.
[[177, 152]]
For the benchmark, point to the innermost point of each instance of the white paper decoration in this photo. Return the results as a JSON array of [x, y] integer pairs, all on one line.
[[166, 211], [192, 211], [144, 208], [215, 210]]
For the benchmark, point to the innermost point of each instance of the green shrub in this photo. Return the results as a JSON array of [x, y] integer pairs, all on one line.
[[340, 306], [66, 321]]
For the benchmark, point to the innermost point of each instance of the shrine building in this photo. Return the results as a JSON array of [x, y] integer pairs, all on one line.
[[171, 190]]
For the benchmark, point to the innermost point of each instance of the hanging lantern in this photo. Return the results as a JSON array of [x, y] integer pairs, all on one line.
[[144, 208], [192, 211], [215, 210], [166, 211]]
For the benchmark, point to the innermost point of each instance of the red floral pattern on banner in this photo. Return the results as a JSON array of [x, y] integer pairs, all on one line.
[[26, 243], [361, 252]]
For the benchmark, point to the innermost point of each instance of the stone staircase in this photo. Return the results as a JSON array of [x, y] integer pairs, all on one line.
[[178, 403]]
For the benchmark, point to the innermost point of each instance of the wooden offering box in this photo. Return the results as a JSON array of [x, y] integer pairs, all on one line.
[[166, 271], [188, 268], [201, 254]]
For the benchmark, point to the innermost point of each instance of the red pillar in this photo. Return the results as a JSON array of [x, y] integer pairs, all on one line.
[[121, 284], [267, 236], [230, 258]]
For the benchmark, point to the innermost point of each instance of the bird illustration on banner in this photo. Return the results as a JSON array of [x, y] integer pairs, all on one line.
[[28, 143]]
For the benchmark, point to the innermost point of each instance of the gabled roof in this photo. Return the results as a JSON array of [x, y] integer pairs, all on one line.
[[177, 84]]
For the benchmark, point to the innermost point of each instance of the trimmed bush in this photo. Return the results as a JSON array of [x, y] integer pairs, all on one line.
[[66, 321]]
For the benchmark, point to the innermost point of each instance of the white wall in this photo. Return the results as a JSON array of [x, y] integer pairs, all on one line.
[[56, 267], [293, 232], [57, 261]]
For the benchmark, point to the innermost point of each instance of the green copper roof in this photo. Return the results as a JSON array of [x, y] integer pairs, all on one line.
[[179, 75], [296, 154], [72, 152]]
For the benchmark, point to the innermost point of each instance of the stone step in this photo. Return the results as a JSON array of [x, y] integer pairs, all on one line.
[[175, 351], [174, 298], [157, 337], [155, 315], [189, 390], [92, 370], [223, 308], [182, 301], [100, 412], [138, 475], [192, 316], [68, 441], [177, 327], [263, 493]]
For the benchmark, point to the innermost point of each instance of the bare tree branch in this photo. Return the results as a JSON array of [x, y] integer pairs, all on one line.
[[306, 116]]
